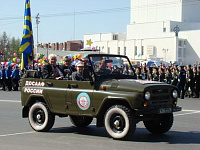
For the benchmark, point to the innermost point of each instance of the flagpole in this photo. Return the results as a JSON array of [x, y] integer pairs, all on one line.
[[33, 53]]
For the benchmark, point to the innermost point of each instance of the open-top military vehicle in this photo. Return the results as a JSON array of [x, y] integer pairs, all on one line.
[[111, 95]]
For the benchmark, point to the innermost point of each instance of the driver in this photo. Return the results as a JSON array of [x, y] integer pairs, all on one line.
[[103, 67]]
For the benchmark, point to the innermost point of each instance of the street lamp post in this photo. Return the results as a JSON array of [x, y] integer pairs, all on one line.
[[176, 31], [37, 22]]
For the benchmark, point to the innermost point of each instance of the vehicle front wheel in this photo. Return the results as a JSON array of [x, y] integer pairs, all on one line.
[[119, 122], [80, 121], [40, 117], [161, 124]]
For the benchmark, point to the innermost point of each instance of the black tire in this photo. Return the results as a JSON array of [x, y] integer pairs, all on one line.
[[40, 117], [80, 121], [119, 122], [160, 125]]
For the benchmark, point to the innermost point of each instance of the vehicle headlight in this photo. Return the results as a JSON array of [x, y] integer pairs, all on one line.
[[175, 94], [147, 95]]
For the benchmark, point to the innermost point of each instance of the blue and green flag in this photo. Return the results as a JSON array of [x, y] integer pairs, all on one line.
[[27, 46]]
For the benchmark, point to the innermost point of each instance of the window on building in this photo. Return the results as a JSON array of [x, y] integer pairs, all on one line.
[[124, 50], [118, 50], [108, 50], [179, 43], [184, 43], [164, 29], [180, 52], [115, 37], [142, 50], [135, 50], [184, 52]]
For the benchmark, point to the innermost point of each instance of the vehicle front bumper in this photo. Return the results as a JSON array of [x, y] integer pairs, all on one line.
[[158, 110]]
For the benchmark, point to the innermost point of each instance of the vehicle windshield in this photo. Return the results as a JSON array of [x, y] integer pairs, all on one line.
[[111, 66]]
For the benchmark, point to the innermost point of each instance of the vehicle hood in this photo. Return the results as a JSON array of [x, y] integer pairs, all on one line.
[[131, 84]]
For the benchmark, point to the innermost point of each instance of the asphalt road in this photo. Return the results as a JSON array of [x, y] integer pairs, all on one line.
[[16, 133]]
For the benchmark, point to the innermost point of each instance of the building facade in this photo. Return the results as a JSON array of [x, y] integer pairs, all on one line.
[[164, 30]]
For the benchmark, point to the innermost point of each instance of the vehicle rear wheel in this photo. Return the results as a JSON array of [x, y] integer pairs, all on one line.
[[119, 122], [80, 121], [40, 117], [160, 125]]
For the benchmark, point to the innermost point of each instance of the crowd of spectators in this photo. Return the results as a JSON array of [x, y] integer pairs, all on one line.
[[186, 78]]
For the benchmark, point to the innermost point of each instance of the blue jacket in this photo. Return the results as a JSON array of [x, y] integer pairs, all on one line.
[[3, 73], [15, 74], [8, 73]]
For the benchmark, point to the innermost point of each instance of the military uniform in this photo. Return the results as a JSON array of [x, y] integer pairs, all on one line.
[[76, 76], [162, 75], [155, 74], [181, 82], [189, 82], [168, 76], [175, 75], [3, 78], [149, 74], [197, 82], [15, 79], [138, 73], [1, 81], [103, 71], [8, 78]]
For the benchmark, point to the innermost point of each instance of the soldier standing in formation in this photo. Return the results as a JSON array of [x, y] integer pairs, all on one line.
[[155, 74], [175, 74], [197, 81], [181, 81], [189, 82], [15, 78]]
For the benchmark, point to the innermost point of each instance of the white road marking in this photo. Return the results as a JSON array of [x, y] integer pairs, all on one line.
[[17, 134], [194, 112], [189, 110], [10, 101]]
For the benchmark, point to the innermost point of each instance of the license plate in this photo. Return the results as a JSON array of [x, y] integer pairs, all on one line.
[[165, 110]]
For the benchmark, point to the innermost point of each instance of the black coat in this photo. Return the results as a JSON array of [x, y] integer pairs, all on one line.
[[48, 72]]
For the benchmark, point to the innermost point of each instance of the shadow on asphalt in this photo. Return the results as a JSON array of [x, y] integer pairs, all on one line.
[[140, 135]]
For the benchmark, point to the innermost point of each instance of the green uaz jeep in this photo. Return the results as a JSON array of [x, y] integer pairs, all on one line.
[[109, 93]]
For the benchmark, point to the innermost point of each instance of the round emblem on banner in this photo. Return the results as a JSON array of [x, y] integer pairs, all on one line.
[[83, 101]]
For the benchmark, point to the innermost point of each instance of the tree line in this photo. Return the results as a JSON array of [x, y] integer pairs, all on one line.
[[8, 46]]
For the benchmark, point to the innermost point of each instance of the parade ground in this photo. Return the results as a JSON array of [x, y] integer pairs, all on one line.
[[16, 133]]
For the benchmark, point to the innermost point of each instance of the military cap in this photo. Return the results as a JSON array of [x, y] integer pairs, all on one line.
[[67, 58], [80, 64], [182, 66]]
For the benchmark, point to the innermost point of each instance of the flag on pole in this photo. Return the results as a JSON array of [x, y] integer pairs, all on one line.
[[27, 46]]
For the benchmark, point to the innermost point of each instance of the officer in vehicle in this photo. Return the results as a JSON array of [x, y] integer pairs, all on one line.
[[78, 75], [102, 69], [51, 70], [181, 81], [66, 68]]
